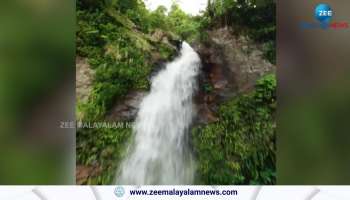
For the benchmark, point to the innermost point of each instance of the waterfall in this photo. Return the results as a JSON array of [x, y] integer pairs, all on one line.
[[159, 153]]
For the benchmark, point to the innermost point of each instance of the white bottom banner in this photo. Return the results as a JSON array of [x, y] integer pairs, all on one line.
[[174, 192]]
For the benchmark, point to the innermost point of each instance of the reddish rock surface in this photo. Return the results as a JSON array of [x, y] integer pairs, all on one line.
[[83, 173], [126, 108]]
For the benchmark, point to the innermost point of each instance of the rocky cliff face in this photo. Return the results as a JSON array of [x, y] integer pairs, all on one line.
[[231, 65]]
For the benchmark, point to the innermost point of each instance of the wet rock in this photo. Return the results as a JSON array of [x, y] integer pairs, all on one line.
[[127, 108], [205, 115], [231, 65], [83, 173], [209, 98]]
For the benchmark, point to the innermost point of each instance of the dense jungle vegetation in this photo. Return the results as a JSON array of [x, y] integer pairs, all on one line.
[[122, 40], [240, 147]]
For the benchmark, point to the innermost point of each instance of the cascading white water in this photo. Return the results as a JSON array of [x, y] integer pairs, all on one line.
[[159, 153]]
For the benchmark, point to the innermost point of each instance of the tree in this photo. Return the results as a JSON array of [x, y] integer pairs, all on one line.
[[158, 18], [183, 25]]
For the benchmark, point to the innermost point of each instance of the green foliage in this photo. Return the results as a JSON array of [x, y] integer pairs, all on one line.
[[112, 34], [158, 18], [240, 147], [269, 49], [121, 6], [103, 148], [256, 18], [207, 87], [117, 55], [119, 38], [182, 24]]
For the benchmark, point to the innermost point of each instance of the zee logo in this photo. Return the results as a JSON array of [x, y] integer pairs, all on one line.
[[323, 13]]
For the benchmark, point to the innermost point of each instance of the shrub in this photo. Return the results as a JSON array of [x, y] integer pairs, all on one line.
[[240, 147]]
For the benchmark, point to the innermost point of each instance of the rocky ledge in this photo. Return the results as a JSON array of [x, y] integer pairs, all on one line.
[[231, 66]]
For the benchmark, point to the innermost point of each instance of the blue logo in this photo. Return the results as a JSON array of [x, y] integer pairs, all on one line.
[[323, 13], [119, 191]]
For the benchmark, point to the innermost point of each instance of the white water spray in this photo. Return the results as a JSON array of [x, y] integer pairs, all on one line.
[[159, 153]]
